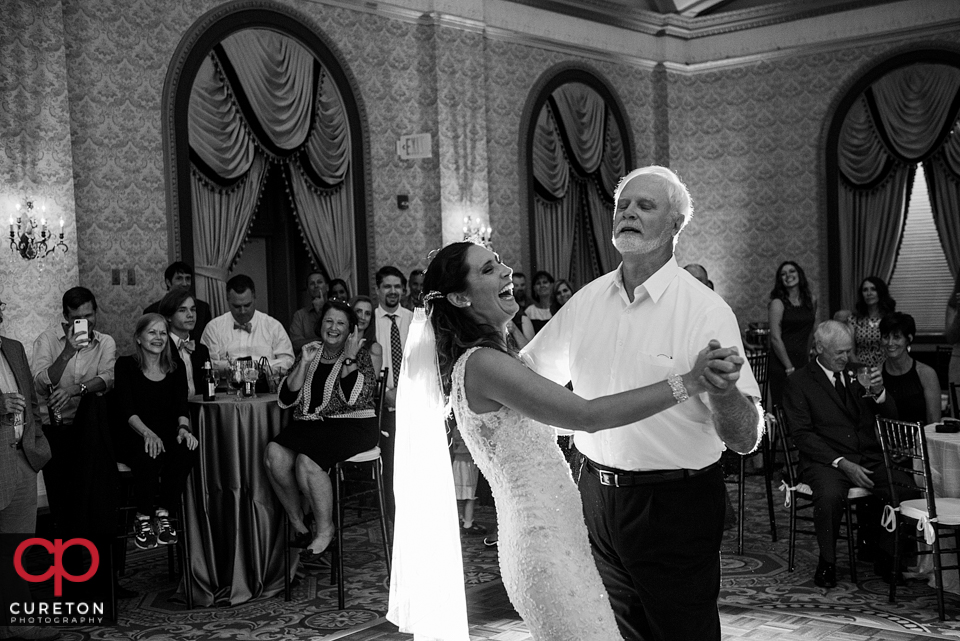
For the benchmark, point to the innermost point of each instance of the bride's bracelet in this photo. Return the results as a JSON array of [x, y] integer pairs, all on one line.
[[678, 388]]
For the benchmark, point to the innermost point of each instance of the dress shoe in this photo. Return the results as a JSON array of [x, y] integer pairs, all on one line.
[[826, 575], [36, 633]]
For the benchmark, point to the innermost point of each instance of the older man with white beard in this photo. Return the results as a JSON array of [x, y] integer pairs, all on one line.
[[653, 490]]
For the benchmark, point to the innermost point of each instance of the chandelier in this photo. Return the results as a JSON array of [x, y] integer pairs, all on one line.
[[475, 231], [31, 238]]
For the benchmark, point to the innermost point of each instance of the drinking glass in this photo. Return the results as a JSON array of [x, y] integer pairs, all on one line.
[[236, 377], [863, 377], [250, 375]]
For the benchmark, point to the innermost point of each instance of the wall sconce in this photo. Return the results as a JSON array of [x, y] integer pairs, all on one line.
[[403, 202], [475, 231], [29, 237]]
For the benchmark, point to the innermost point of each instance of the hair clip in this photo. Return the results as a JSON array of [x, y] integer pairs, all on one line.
[[431, 295], [433, 254]]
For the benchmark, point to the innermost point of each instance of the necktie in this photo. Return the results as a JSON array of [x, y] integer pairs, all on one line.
[[396, 349], [246, 327], [841, 388]]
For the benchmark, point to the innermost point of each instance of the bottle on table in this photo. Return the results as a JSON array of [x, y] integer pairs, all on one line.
[[209, 383], [56, 420]]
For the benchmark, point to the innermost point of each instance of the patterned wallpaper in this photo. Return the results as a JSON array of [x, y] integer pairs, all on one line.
[[745, 139], [747, 143], [35, 161]]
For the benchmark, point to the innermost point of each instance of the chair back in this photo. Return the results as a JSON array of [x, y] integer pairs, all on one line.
[[381, 395], [904, 448], [954, 401], [759, 360], [791, 455]]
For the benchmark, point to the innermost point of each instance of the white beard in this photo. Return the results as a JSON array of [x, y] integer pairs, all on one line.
[[632, 243]]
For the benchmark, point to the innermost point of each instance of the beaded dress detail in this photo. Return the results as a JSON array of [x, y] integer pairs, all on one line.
[[545, 559]]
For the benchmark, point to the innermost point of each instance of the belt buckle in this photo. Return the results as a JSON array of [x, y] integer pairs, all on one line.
[[608, 478]]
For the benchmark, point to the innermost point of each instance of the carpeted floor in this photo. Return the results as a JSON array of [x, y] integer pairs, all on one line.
[[759, 598]]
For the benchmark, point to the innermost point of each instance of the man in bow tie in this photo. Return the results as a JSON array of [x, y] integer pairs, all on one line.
[[179, 307], [245, 332], [831, 418], [179, 275]]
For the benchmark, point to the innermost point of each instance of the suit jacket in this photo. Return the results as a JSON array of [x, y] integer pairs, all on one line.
[[35, 445], [203, 316], [201, 354], [823, 426]]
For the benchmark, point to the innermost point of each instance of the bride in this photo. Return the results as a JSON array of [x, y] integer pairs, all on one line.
[[503, 410]]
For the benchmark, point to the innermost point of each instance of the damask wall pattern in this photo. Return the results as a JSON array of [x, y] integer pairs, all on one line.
[[746, 141], [35, 161]]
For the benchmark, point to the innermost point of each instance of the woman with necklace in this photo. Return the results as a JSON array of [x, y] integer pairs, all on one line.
[[151, 397], [873, 303], [332, 387], [792, 313], [914, 386]]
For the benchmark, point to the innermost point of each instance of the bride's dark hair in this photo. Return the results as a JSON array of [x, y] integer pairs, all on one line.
[[456, 332]]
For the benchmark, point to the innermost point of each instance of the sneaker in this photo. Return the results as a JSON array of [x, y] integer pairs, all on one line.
[[166, 535], [145, 537]]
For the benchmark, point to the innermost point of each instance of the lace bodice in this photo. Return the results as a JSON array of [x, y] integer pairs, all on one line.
[[545, 557]]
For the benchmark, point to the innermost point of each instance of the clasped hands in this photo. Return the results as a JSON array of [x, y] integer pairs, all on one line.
[[716, 371]]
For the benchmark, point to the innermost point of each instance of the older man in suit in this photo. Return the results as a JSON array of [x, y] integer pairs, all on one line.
[[831, 418], [23, 451]]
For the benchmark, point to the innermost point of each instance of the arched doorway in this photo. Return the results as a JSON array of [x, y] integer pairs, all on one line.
[[279, 154], [576, 145]]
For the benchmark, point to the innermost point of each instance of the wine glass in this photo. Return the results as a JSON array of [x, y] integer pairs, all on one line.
[[236, 377], [250, 375], [863, 377]]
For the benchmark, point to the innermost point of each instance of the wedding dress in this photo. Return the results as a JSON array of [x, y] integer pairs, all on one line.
[[545, 557]]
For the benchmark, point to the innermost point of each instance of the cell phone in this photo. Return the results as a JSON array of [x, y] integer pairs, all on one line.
[[81, 329]]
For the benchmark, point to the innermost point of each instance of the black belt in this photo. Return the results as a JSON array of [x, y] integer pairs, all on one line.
[[622, 478]]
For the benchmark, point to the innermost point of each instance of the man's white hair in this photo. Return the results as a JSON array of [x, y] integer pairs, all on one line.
[[830, 331], [677, 192]]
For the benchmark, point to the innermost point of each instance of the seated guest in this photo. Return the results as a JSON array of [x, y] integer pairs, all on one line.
[[700, 273], [363, 307], [333, 387], [66, 367], [151, 398], [562, 292], [914, 386], [244, 332], [414, 297], [832, 423], [180, 309], [541, 310], [339, 290], [305, 320], [180, 275]]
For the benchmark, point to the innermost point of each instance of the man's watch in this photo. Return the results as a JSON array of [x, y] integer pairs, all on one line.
[[83, 389], [349, 361]]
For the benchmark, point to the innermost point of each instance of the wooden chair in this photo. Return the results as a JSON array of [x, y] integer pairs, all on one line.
[[799, 498], [905, 449], [954, 400], [367, 463], [758, 360]]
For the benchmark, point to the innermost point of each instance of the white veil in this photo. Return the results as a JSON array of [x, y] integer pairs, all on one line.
[[426, 585]]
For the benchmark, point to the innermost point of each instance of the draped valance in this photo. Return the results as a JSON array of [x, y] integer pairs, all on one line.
[[261, 97], [578, 157], [907, 116]]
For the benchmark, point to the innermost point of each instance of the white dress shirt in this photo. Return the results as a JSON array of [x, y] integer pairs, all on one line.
[[404, 318], [606, 344], [267, 337], [95, 360]]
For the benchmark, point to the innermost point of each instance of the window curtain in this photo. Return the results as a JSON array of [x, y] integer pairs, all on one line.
[[578, 158], [261, 97], [900, 120], [943, 181]]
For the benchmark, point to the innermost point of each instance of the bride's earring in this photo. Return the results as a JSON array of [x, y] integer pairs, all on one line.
[[458, 300]]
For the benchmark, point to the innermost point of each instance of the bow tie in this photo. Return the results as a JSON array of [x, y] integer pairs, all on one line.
[[190, 346], [246, 327]]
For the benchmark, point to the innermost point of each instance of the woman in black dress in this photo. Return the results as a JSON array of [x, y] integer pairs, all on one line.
[[914, 386], [332, 386], [151, 396], [792, 312]]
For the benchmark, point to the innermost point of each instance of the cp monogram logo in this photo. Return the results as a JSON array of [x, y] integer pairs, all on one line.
[[56, 570]]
